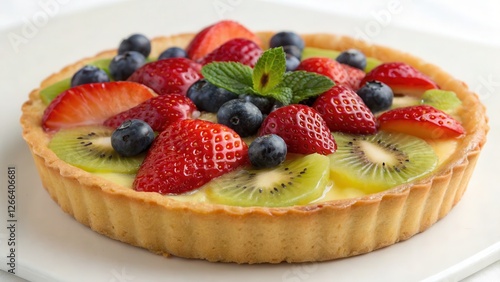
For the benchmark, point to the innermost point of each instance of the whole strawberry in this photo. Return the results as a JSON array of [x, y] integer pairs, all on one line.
[[159, 112], [343, 110], [240, 50], [188, 154], [302, 128], [340, 73], [168, 76]]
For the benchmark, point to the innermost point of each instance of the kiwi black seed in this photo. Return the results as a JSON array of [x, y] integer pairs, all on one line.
[[89, 148], [377, 162], [296, 181]]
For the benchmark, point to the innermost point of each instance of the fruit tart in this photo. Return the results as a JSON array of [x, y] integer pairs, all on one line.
[[254, 147]]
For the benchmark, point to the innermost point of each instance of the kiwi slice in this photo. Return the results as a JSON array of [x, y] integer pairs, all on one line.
[[373, 163], [50, 92], [89, 148], [310, 52], [296, 181], [443, 100]]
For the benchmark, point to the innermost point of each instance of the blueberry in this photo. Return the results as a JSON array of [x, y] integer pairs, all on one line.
[[208, 97], [291, 62], [241, 116], [293, 50], [353, 58], [264, 104], [89, 74], [173, 52], [122, 66], [376, 95], [267, 151], [285, 38], [136, 42], [132, 138]]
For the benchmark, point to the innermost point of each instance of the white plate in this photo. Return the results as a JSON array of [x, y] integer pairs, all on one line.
[[52, 246]]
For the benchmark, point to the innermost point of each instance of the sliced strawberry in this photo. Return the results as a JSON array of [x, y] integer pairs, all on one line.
[[302, 128], [402, 78], [89, 104], [343, 110], [188, 154], [215, 35], [422, 121], [168, 76], [340, 73], [240, 50], [159, 112]]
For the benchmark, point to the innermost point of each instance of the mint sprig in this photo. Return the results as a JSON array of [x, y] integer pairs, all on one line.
[[268, 78], [232, 76]]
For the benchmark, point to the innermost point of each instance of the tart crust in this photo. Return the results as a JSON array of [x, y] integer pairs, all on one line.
[[328, 230]]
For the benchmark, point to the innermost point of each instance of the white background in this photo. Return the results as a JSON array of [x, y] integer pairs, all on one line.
[[475, 21]]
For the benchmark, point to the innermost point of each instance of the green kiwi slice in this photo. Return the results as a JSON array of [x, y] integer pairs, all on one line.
[[89, 148], [296, 181], [50, 92], [443, 100], [374, 163]]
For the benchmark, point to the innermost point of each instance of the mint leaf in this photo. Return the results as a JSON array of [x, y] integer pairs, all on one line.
[[281, 94], [269, 69], [232, 76], [306, 84]]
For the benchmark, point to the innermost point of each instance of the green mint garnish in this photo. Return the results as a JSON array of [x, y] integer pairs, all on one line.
[[232, 76], [306, 84], [269, 69], [267, 79]]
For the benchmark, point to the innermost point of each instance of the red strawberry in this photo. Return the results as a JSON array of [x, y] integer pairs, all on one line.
[[159, 112], [340, 73], [188, 154], [240, 50], [168, 76], [93, 103], [402, 78], [343, 110], [354, 77], [302, 128], [215, 35], [422, 121]]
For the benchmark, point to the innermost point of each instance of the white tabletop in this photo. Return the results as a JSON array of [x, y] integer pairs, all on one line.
[[476, 21]]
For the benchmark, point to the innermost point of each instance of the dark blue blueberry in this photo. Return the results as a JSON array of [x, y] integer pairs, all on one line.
[[122, 66], [132, 138], [291, 62], [267, 151], [173, 52], [208, 97], [376, 95], [89, 74], [293, 50], [353, 58], [264, 104], [285, 38], [136, 42], [241, 116]]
